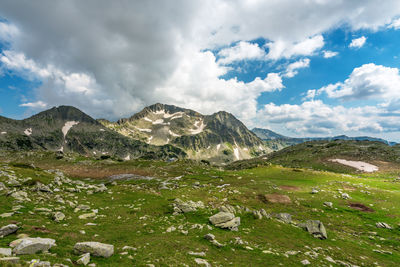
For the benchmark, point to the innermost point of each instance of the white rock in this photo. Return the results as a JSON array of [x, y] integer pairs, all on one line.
[[84, 259], [33, 245]]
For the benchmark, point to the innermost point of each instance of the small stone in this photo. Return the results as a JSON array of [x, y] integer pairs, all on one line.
[[84, 259], [87, 216], [58, 216], [383, 225], [305, 262], [202, 262], [284, 217], [328, 204]]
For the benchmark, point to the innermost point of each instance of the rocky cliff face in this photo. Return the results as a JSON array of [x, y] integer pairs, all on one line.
[[219, 137]]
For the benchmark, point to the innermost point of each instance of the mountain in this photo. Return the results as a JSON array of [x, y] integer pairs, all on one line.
[[67, 129], [277, 141], [219, 137]]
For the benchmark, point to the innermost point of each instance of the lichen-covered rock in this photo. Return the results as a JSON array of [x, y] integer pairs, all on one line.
[[58, 216], [225, 220], [84, 259], [8, 230], [315, 227], [284, 217], [94, 248], [188, 206], [33, 245]]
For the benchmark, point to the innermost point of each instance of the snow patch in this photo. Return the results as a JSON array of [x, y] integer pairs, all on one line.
[[176, 117], [127, 157], [28, 131], [260, 147], [236, 152], [147, 119], [245, 149], [67, 126], [102, 130], [159, 121], [218, 146], [173, 134], [3, 132], [149, 139], [360, 165], [143, 130], [199, 127]]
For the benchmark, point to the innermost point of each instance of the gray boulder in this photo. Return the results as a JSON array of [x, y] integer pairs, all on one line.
[[8, 230], [5, 252], [33, 245], [94, 248], [284, 217], [315, 227], [225, 220]]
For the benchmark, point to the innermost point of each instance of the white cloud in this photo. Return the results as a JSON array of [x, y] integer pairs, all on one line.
[[284, 49], [395, 24], [241, 51], [113, 59], [369, 81], [196, 83], [291, 70], [8, 32], [329, 54], [358, 43], [315, 118], [35, 105]]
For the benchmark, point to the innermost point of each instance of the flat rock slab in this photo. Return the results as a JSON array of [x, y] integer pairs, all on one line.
[[94, 248], [8, 230], [277, 198], [5, 251], [32, 245]]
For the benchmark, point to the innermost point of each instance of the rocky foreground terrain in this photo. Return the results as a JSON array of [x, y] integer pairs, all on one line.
[[80, 210]]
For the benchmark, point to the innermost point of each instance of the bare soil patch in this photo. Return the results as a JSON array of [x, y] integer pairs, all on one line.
[[289, 188], [360, 207]]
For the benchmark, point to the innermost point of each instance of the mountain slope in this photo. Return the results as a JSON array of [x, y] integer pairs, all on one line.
[[278, 141], [219, 137], [68, 129]]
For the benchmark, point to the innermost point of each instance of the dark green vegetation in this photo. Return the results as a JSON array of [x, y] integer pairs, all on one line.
[[138, 212]]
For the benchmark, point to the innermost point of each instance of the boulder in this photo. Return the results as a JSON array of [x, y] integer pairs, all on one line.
[[284, 217], [94, 248], [33, 245], [8, 230], [84, 259], [225, 220], [188, 206], [315, 227]]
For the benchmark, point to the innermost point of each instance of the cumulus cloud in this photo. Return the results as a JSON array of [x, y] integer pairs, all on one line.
[[395, 24], [367, 82], [241, 51], [284, 49], [113, 59], [358, 42], [35, 105], [292, 69], [329, 54], [315, 118]]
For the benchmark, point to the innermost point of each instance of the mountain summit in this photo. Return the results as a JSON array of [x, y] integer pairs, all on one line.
[[219, 137]]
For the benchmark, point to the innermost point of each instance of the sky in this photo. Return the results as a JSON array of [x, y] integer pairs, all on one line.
[[298, 67]]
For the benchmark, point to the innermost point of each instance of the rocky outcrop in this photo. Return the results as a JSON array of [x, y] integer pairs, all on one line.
[[94, 248]]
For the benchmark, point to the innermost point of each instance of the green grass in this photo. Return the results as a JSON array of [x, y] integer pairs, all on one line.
[[137, 214]]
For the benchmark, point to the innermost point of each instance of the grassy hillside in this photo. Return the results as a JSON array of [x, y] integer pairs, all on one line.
[[139, 213]]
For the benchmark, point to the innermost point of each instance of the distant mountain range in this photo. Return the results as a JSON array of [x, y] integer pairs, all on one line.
[[277, 141], [67, 129], [219, 137]]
